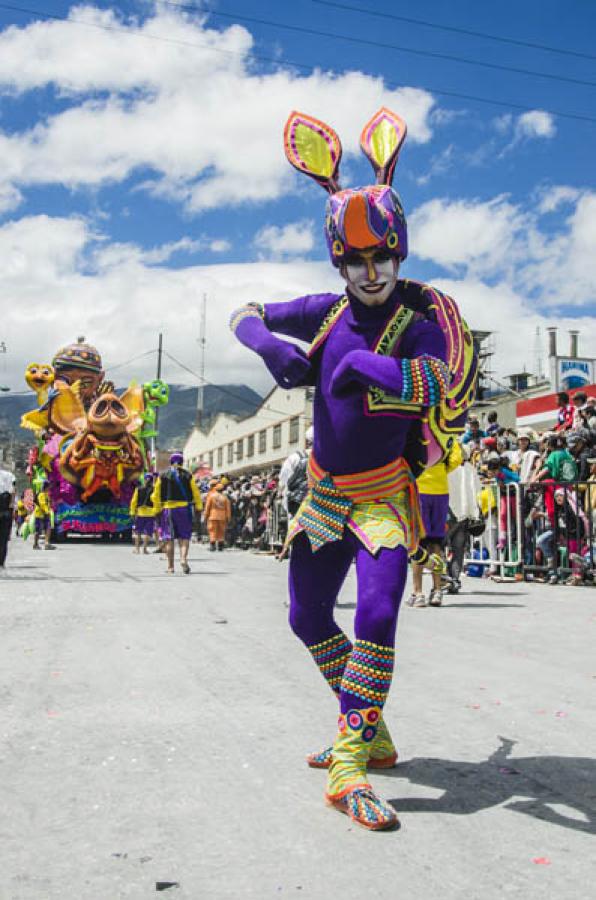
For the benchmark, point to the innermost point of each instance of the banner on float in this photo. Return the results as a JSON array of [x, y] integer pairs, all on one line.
[[92, 518]]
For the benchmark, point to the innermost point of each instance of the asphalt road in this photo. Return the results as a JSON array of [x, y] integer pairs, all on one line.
[[153, 731]]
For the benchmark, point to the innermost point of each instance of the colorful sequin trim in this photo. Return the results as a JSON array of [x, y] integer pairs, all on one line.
[[330, 320], [363, 806], [249, 311], [368, 672], [323, 515], [331, 657], [425, 380]]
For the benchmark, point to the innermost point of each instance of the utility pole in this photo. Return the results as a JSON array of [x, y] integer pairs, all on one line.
[[202, 351], [154, 440]]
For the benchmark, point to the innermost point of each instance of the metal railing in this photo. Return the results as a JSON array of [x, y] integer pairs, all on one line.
[[538, 529]]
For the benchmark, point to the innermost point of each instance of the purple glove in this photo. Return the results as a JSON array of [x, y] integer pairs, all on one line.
[[288, 364], [361, 367]]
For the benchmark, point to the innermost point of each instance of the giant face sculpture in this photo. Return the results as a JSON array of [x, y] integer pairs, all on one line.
[[79, 362]]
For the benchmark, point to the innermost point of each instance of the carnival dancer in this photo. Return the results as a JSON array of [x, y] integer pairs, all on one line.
[[378, 360], [20, 514], [218, 512], [43, 518], [174, 496], [143, 512]]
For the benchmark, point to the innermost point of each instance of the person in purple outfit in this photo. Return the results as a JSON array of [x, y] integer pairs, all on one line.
[[378, 359], [173, 498]]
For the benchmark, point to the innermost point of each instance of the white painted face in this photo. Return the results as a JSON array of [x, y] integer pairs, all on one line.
[[371, 275]]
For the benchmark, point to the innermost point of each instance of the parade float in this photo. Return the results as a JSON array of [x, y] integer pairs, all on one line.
[[92, 441]]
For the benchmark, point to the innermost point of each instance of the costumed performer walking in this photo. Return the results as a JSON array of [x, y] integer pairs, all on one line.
[[218, 512], [143, 513], [43, 518], [378, 360], [174, 496]]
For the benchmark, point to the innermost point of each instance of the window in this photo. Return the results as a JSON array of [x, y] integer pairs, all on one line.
[[294, 430], [276, 436], [262, 441], [240, 448], [211, 460], [231, 453], [250, 445], [219, 456]]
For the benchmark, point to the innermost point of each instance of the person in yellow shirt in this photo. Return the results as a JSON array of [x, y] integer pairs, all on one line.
[[433, 489], [174, 496], [141, 508], [43, 519], [20, 515]]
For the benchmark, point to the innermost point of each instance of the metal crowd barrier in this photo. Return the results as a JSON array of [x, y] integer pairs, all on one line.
[[560, 529], [499, 548], [545, 528], [277, 525]]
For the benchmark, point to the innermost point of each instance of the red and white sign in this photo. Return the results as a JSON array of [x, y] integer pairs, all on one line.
[[543, 410]]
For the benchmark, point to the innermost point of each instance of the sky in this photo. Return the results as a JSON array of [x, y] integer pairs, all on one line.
[[142, 167]]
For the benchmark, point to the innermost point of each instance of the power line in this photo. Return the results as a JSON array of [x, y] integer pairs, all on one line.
[[366, 42], [473, 98], [223, 390], [127, 362], [455, 29]]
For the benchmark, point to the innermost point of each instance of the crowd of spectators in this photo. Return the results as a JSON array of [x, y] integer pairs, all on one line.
[[554, 509]]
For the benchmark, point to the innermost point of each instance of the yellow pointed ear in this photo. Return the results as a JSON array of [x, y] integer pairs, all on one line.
[[67, 412], [381, 140], [132, 399], [314, 148]]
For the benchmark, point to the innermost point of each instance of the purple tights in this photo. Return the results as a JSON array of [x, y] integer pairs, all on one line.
[[316, 580]]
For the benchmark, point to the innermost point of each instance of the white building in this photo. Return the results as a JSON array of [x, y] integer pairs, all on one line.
[[234, 446]]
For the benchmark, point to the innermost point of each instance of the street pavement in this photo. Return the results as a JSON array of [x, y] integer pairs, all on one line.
[[154, 730]]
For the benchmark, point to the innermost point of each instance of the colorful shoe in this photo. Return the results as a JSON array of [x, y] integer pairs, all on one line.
[[364, 807], [383, 754], [347, 787]]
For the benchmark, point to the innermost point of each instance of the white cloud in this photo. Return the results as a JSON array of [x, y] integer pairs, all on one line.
[[552, 197], [294, 239], [498, 239], [198, 117], [471, 233], [10, 198], [535, 124], [61, 279]]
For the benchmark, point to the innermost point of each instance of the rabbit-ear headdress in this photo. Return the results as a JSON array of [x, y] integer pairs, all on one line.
[[356, 218]]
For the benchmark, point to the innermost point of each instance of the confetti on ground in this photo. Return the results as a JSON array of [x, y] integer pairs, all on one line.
[[541, 861], [561, 715]]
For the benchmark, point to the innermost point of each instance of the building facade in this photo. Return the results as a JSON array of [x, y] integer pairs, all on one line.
[[241, 446]]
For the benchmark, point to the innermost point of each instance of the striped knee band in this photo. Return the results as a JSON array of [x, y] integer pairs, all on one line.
[[368, 672], [331, 657]]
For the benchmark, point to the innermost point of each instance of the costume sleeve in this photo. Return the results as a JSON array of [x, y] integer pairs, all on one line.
[[196, 495], [44, 503], [455, 457], [419, 375], [156, 497], [134, 503], [254, 324]]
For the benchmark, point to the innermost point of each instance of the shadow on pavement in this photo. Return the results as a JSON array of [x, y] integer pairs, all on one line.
[[536, 782]]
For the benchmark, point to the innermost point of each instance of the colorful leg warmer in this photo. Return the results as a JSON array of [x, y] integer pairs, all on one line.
[[331, 657], [367, 676]]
